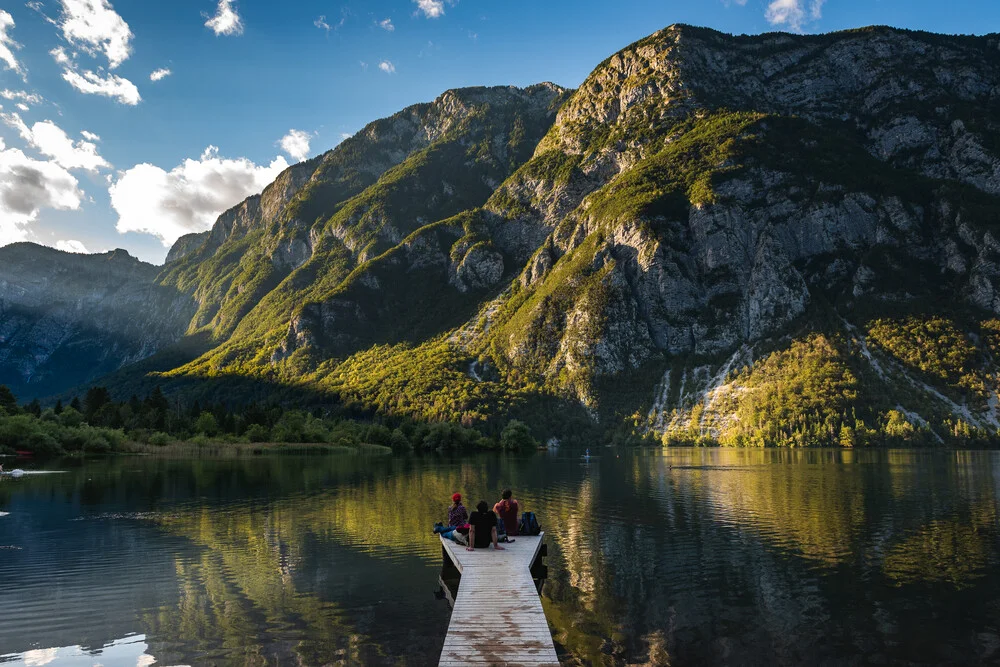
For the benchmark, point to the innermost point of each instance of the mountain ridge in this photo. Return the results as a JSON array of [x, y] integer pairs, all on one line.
[[709, 228]]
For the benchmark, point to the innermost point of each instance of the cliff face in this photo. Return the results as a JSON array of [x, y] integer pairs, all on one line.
[[705, 193], [66, 319], [709, 225]]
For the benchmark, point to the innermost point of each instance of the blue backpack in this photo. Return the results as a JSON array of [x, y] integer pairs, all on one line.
[[529, 524]]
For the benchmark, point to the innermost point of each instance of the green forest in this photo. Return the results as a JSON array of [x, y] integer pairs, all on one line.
[[97, 424]]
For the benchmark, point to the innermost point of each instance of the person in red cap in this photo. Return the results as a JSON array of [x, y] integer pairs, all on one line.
[[457, 514]]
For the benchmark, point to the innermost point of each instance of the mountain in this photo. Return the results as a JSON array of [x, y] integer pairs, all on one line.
[[67, 319], [776, 239]]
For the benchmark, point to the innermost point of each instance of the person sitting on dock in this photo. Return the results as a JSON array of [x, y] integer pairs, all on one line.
[[483, 528], [507, 510], [458, 522], [457, 514]]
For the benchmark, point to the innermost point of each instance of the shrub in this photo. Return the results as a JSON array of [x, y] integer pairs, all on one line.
[[71, 417], [159, 439], [516, 435], [258, 433]]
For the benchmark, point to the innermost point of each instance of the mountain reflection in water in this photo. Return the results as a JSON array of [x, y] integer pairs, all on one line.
[[676, 557]]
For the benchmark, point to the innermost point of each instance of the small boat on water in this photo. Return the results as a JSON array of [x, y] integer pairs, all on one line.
[[16, 472]]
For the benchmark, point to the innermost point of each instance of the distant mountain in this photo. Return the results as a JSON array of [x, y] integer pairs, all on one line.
[[68, 319], [773, 239]]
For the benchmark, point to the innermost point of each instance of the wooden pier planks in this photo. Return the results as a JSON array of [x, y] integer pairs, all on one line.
[[497, 618]]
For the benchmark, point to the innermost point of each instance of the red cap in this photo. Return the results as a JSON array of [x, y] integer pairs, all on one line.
[[456, 498]]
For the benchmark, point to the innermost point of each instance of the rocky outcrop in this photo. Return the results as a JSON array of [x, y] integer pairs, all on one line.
[[185, 245]]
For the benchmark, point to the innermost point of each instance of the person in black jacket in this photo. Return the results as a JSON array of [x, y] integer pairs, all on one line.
[[483, 528]]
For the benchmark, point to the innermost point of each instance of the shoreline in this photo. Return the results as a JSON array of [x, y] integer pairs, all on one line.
[[222, 449]]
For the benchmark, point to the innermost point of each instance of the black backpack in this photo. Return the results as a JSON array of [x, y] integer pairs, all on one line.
[[529, 524]]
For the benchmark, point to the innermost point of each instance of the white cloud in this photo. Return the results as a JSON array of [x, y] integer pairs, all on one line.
[[70, 245], [22, 96], [59, 55], [387, 67], [112, 85], [89, 136], [23, 107], [189, 197], [160, 74], [432, 9], [793, 13], [226, 21], [387, 25], [51, 141], [322, 24], [92, 83], [95, 26], [7, 44], [296, 144], [26, 187]]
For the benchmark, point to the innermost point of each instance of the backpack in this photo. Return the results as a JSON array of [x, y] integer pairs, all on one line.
[[529, 524]]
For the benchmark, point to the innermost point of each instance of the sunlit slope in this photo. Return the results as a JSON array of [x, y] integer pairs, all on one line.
[[464, 145]]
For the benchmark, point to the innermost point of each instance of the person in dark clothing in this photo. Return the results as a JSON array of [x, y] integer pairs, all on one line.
[[483, 528]]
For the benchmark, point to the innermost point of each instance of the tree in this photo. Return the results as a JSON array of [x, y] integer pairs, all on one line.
[[897, 427], [207, 424], [97, 398], [71, 417], [156, 401], [517, 435], [8, 402], [257, 433]]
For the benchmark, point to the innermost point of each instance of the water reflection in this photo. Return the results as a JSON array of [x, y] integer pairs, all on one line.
[[682, 557], [126, 652]]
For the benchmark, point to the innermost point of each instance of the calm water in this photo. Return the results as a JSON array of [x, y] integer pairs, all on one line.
[[686, 557]]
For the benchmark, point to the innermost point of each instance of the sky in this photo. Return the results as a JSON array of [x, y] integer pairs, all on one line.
[[127, 124]]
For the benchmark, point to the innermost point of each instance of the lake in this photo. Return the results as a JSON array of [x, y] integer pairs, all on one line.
[[680, 557]]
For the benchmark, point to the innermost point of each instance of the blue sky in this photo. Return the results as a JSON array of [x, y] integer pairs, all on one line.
[[97, 155]]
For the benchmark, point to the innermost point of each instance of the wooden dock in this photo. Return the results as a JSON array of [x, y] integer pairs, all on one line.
[[497, 618]]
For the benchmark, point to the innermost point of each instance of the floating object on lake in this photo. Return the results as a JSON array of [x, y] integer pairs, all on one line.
[[16, 472]]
